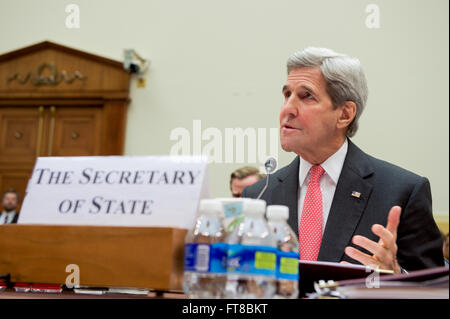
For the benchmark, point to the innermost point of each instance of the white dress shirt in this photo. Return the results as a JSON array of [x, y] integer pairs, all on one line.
[[333, 167], [8, 217]]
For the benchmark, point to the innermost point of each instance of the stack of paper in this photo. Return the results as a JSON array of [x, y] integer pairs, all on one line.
[[423, 284]]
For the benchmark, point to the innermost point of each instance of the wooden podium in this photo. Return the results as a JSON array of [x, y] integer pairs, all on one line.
[[107, 256]]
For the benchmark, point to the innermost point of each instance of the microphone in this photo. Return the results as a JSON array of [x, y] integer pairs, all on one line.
[[270, 165]]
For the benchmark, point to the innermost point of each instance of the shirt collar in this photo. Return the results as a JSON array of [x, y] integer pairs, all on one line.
[[332, 166], [8, 215]]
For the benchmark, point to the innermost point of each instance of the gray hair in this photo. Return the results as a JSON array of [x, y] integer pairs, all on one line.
[[343, 74]]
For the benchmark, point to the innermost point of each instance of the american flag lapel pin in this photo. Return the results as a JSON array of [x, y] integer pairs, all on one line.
[[356, 194]]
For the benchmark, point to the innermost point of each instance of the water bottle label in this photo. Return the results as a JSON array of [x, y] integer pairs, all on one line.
[[249, 259], [287, 265], [205, 257], [218, 258], [232, 209]]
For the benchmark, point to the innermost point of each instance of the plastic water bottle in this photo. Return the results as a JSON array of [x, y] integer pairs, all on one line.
[[251, 260], [205, 253], [287, 254]]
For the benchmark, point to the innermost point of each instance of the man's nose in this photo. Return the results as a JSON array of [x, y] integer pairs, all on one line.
[[290, 107]]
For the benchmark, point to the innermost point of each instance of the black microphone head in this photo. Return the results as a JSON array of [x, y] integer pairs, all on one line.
[[270, 165]]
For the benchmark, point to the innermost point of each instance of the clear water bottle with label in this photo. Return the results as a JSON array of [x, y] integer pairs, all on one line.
[[251, 263], [287, 271], [205, 253]]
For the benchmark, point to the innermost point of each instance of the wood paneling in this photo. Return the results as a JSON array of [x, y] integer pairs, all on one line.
[[62, 115], [77, 131], [15, 178], [106, 256], [19, 133], [101, 74]]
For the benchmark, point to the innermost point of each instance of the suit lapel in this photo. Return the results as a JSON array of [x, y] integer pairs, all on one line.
[[346, 209], [15, 219], [286, 192]]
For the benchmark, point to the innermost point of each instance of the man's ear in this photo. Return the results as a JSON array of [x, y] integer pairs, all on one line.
[[347, 114]]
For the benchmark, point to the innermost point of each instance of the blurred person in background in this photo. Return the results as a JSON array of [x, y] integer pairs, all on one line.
[[243, 177], [10, 201]]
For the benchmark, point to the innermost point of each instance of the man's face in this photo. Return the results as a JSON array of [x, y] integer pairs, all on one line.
[[307, 117], [238, 185], [9, 202]]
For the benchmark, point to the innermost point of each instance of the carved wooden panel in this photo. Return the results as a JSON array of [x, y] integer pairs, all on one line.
[[58, 101], [54, 68], [77, 131], [20, 133]]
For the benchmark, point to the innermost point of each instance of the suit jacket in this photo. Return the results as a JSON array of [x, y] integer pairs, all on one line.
[[16, 217], [381, 185]]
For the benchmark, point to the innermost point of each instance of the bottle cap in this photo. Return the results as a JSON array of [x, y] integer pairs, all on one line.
[[211, 207], [229, 200], [277, 212], [254, 206]]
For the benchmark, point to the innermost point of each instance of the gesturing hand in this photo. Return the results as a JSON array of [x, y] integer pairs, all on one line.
[[385, 250]]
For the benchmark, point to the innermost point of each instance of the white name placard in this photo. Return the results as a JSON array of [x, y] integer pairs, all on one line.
[[156, 191]]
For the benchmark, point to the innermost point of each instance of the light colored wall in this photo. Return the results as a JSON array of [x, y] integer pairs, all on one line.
[[223, 62]]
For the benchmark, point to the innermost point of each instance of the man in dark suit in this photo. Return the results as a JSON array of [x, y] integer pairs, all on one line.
[[345, 205], [10, 200]]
